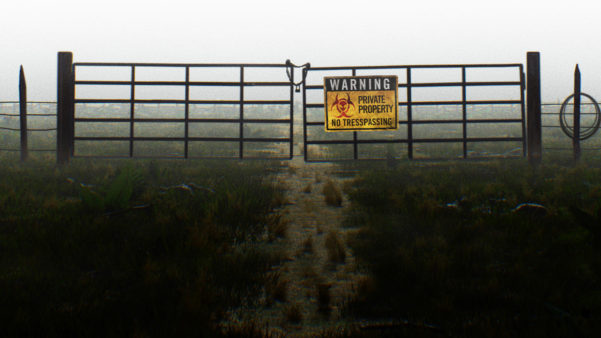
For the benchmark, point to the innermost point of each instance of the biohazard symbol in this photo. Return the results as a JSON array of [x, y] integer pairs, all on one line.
[[343, 105]]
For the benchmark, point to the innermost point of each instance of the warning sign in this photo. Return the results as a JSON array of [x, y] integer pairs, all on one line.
[[361, 103]]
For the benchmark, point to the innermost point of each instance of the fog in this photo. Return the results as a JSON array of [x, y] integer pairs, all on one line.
[[325, 33]]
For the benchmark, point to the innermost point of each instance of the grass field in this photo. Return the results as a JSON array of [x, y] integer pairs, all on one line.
[[120, 248], [449, 251], [491, 248]]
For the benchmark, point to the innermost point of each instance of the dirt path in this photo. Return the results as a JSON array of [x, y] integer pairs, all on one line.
[[312, 285]]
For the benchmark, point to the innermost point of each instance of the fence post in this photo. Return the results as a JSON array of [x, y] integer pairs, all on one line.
[[23, 114], [65, 108], [533, 92], [576, 138]]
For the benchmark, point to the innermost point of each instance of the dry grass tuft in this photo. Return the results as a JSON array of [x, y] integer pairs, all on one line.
[[276, 226], [335, 248], [332, 193], [276, 288]]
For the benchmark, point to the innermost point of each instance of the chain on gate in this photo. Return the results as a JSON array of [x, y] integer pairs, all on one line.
[[290, 72]]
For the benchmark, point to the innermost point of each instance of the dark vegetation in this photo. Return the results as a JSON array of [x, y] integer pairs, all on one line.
[[449, 251], [126, 248]]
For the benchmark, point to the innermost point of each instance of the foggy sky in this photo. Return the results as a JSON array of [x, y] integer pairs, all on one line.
[[325, 33]]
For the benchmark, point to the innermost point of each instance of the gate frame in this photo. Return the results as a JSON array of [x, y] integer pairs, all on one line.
[[531, 126], [66, 107], [410, 140]]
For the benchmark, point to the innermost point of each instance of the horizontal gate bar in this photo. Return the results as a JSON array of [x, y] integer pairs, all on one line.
[[445, 84], [260, 102], [180, 83], [439, 103], [208, 139], [191, 65], [498, 65], [417, 140], [183, 120], [441, 121]]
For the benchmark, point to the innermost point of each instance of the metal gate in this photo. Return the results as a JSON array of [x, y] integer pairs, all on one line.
[[468, 116], [221, 126], [223, 121]]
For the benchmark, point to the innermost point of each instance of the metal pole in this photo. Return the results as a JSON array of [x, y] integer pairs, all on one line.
[[305, 150], [533, 92], [132, 107], [241, 133], [355, 146], [576, 138], [23, 114], [187, 112], [409, 117], [464, 110], [65, 107], [292, 113], [523, 110]]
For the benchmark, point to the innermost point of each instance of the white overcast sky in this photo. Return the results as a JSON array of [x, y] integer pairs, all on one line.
[[325, 33]]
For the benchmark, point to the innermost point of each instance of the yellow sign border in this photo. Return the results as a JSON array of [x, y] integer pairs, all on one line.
[[396, 103]]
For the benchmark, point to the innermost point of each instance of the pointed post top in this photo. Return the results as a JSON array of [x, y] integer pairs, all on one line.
[[22, 82], [577, 70]]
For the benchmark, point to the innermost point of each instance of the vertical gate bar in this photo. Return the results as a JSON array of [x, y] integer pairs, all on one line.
[[464, 110], [305, 147], [533, 101], [64, 106], [576, 138], [355, 150], [72, 77], [187, 112], [409, 117], [241, 150], [132, 98], [23, 114], [523, 107], [291, 113]]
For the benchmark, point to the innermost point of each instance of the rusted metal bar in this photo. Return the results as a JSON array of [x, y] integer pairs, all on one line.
[[191, 120], [523, 108], [179, 65], [215, 139], [447, 84], [421, 140], [181, 83], [23, 114], [355, 144], [187, 112], [241, 146], [534, 108], [409, 116], [132, 107], [65, 108], [144, 101], [305, 144], [576, 138], [292, 114], [464, 111]]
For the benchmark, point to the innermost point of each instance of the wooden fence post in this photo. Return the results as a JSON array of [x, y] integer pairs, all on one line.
[[533, 92], [576, 138], [65, 108], [23, 114]]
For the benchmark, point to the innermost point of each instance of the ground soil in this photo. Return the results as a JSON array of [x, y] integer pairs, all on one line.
[[307, 268]]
